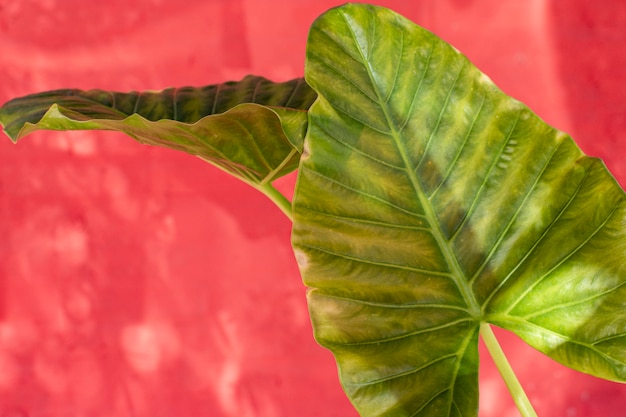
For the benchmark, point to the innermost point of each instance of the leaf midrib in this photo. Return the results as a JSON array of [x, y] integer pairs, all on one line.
[[456, 272]]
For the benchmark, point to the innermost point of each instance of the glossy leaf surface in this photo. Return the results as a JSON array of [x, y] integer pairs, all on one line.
[[253, 128], [428, 202]]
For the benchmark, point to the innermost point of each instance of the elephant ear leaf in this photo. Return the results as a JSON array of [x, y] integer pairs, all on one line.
[[428, 202], [252, 128]]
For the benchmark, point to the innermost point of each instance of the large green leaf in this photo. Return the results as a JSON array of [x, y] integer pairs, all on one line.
[[253, 128], [429, 202]]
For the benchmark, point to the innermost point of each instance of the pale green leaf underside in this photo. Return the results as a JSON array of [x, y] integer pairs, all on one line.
[[252, 128], [428, 202]]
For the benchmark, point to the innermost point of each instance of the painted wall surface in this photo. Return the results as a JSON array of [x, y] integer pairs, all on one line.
[[137, 281]]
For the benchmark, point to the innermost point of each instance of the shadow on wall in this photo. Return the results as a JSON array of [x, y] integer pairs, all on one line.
[[589, 41], [130, 282]]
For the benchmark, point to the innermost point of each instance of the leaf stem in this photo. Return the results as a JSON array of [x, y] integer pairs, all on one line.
[[277, 197], [510, 379]]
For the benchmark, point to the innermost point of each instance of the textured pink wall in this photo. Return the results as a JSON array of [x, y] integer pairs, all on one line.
[[136, 281]]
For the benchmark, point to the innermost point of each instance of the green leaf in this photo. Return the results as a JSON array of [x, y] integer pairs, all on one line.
[[429, 202], [253, 128]]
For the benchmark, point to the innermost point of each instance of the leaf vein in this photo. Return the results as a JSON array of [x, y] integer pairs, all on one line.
[[591, 346], [460, 355], [402, 374], [251, 139], [562, 261], [430, 400], [218, 89], [444, 107], [255, 91], [137, 99], [395, 306], [375, 263], [457, 156], [175, 103], [573, 303], [360, 152], [364, 123], [537, 242], [292, 95], [607, 338], [514, 216], [340, 74], [483, 184], [366, 221], [397, 70], [272, 173], [418, 88], [363, 193]]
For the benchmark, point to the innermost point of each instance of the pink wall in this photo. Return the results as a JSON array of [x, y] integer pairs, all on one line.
[[136, 281]]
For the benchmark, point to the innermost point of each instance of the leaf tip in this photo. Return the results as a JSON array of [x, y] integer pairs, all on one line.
[[11, 134]]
